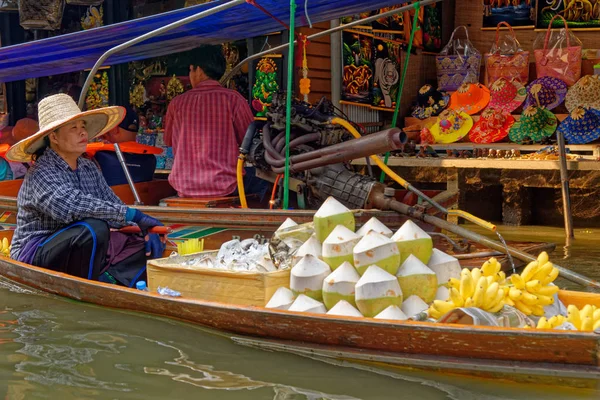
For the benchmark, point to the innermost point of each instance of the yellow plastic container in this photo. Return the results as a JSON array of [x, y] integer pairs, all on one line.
[[223, 286]]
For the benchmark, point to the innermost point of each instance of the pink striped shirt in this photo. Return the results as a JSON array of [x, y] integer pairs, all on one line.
[[206, 126]]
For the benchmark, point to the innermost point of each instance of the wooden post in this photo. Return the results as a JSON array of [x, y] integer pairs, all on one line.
[[564, 181]]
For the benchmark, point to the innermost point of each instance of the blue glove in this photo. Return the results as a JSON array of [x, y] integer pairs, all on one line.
[[142, 220], [154, 246]]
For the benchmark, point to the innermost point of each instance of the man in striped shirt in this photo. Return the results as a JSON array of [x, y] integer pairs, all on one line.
[[206, 126]]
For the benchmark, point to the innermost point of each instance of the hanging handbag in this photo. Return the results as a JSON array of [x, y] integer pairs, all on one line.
[[508, 60], [459, 62], [559, 61]]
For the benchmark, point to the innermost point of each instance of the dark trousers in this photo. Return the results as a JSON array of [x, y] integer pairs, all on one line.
[[81, 248]]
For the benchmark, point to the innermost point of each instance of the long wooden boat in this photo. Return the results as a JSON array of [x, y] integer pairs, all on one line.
[[524, 355], [216, 225]]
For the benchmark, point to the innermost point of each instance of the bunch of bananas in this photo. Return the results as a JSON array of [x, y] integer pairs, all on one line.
[[551, 323], [5, 248], [586, 320], [531, 290], [483, 288]]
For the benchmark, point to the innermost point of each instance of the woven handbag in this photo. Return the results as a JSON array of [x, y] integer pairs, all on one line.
[[511, 65], [459, 62], [559, 62]]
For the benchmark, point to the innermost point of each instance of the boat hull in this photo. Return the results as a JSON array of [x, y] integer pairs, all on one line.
[[557, 357]]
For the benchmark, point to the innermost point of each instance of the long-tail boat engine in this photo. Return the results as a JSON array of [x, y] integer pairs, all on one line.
[[320, 152]]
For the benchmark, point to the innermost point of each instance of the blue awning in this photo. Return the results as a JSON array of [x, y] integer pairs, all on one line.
[[80, 50]]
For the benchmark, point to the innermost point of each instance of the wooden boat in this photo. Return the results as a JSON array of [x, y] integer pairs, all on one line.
[[524, 355], [217, 225]]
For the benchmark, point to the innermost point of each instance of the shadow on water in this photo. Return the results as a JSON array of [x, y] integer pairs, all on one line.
[[52, 348]]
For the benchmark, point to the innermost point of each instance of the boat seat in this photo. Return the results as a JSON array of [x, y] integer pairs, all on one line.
[[200, 202]]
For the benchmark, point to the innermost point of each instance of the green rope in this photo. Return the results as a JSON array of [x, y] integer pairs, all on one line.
[[288, 106], [415, 27]]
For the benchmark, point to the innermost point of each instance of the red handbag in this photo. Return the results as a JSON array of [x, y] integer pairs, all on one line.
[[559, 62], [511, 64]]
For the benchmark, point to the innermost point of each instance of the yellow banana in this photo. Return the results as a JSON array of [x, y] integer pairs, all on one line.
[[480, 290], [488, 269], [454, 283], [467, 286], [500, 277], [551, 277], [596, 325], [533, 286], [515, 294], [496, 308], [543, 258], [587, 324], [586, 311], [496, 264], [476, 274], [574, 317], [543, 271], [596, 315], [456, 298], [530, 270], [537, 310], [545, 300], [469, 302], [543, 323], [498, 301], [443, 306], [518, 281], [525, 309], [529, 299], [490, 295], [547, 290], [509, 301]]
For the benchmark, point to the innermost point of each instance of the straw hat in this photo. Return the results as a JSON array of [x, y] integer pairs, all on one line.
[[506, 95], [493, 126], [470, 98], [585, 93], [547, 92], [582, 126], [55, 111], [451, 126], [536, 124]]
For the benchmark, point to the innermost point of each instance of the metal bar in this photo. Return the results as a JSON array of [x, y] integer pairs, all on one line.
[[136, 196], [564, 181], [336, 63], [149, 35], [327, 32], [288, 106]]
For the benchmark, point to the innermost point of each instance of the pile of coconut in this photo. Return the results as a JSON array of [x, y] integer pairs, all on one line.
[[368, 273]]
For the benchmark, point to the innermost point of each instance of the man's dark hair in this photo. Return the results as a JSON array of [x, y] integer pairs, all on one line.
[[210, 58]]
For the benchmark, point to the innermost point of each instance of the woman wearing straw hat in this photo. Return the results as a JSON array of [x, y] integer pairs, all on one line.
[[65, 207]]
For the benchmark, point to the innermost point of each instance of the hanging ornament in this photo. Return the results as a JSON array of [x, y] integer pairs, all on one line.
[[174, 88], [304, 81]]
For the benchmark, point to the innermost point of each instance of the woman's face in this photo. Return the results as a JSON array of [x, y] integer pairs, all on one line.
[[71, 138]]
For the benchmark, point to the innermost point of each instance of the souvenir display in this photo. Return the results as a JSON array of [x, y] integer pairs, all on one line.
[[41, 14], [581, 126], [547, 92], [457, 63], [493, 126], [358, 70], [470, 98], [506, 59], [265, 85], [559, 55], [585, 93], [451, 126], [430, 102], [515, 12], [507, 95], [535, 124], [579, 14], [387, 76]]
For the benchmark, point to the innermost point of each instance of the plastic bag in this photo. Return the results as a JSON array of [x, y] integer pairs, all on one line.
[[506, 59], [507, 317], [459, 62], [285, 242], [558, 54]]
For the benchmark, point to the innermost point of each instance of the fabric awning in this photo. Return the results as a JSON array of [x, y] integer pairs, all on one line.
[[80, 50]]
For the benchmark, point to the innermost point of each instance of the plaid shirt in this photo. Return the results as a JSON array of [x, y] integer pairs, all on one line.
[[206, 126], [53, 196]]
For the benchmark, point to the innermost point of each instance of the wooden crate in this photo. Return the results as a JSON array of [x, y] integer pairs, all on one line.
[[223, 286]]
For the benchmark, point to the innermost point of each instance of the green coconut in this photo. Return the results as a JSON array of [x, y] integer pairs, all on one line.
[[307, 304], [345, 309], [376, 290], [338, 246], [307, 276], [376, 249], [416, 278], [339, 285], [445, 267], [312, 246], [288, 223], [331, 214], [442, 293], [413, 240], [413, 305], [392, 312], [282, 299], [374, 225]]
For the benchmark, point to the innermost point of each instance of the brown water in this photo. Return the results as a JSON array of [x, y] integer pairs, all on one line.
[[52, 348]]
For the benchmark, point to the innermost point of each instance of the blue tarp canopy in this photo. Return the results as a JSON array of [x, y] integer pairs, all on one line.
[[80, 50]]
